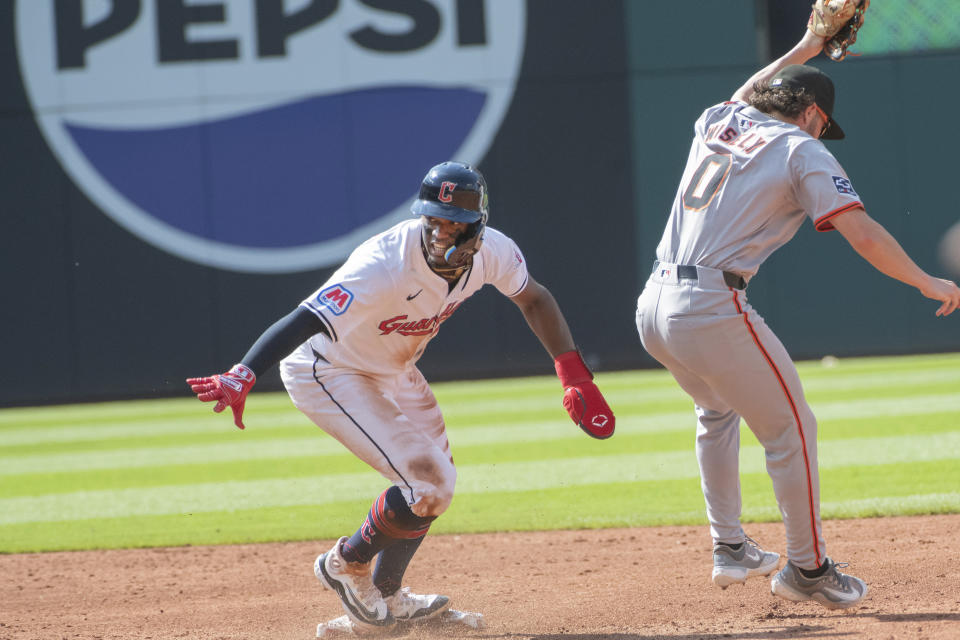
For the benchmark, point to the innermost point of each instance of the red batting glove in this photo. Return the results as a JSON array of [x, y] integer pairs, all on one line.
[[581, 397], [228, 389]]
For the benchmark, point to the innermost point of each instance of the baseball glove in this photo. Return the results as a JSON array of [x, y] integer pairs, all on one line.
[[838, 21]]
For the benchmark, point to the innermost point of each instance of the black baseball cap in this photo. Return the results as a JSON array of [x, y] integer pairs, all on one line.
[[801, 76]]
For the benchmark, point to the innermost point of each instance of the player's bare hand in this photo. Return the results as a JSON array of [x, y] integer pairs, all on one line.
[[946, 291], [228, 389], [581, 397]]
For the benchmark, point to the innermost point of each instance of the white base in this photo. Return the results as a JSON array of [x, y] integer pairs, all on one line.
[[343, 627]]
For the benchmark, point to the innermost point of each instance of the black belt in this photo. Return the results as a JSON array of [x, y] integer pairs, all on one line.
[[689, 272]]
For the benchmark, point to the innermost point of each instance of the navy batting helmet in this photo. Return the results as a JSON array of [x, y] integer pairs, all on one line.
[[455, 191]]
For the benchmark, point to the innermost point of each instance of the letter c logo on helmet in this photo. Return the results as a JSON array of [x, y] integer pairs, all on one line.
[[455, 191], [445, 192]]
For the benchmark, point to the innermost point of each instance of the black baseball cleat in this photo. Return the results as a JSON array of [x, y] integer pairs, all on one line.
[[353, 584]]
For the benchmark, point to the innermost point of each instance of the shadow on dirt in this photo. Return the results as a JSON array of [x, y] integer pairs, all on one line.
[[783, 633], [775, 633], [911, 617]]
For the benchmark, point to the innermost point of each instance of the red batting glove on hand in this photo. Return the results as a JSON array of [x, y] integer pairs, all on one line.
[[228, 389], [581, 398]]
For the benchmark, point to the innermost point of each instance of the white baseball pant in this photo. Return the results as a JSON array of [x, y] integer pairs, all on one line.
[[391, 422]]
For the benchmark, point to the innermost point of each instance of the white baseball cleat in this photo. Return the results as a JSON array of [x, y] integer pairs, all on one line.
[[413, 607], [733, 567], [353, 584]]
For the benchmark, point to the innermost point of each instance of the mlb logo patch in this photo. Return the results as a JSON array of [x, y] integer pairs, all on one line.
[[745, 124], [843, 186], [336, 297]]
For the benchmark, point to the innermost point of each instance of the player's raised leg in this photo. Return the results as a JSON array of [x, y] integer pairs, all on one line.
[[416, 400], [345, 569], [363, 413]]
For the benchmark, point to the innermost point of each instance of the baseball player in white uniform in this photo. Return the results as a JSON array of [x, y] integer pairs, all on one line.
[[756, 171], [349, 354]]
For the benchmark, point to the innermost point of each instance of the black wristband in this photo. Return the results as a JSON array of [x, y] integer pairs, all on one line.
[[282, 337]]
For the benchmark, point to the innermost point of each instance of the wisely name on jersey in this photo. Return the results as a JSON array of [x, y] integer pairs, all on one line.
[[750, 182]]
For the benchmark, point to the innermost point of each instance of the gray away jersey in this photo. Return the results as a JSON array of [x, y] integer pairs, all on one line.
[[749, 182]]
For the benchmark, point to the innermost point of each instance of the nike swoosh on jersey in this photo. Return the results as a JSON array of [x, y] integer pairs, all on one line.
[[414, 295]]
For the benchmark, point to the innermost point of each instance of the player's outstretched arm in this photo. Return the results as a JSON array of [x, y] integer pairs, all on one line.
[[808, 47], [581, 397], [875, 244], [230, 389], [542, 313]]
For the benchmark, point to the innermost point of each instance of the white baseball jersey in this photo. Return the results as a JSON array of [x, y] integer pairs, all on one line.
[[384, 304], [749, 182]]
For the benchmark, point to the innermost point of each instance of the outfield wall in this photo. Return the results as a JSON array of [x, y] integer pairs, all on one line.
[[582, 147]]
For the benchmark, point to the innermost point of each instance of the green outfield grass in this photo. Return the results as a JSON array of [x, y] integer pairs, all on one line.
[[170, 472]]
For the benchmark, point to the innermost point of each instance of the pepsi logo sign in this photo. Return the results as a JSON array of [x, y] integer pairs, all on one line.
[[265, 135]]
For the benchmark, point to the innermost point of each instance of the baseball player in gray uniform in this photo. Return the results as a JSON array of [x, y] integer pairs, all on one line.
[[755, 172], [349, 354]]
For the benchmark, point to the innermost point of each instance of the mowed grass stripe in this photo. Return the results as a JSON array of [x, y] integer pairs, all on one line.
[[157, 439], [851, 484], [855, 374], [480, 512], [839, 381], [856, 408], [524, 394], [653, 502], [611, 505], [544, 474], [869, 507], [906, 375], [913, 504], [880, 364], [175, 426], [235, 447], [673, 402], [228, 445], [567, 442], [226, 450], [97, 413]]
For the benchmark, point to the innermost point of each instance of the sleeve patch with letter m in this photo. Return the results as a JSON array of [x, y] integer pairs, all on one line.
[[336, 297]]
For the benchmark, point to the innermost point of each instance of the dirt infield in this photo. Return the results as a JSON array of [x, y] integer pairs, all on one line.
[[614, 584]]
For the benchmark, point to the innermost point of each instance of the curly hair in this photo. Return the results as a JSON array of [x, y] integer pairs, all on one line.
[[789, 102]]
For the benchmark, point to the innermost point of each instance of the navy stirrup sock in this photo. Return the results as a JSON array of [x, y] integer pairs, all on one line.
[[392, 564], [389, 521]]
